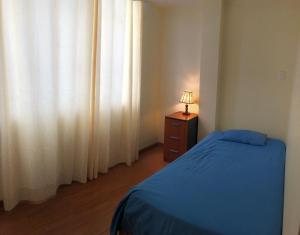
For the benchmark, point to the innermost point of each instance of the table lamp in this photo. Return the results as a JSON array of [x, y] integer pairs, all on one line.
[[187, 98]]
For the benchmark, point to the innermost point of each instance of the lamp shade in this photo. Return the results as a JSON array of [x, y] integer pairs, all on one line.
[[187, 97]]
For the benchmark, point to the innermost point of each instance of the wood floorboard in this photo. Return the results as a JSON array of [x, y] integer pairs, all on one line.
[[81, 209]]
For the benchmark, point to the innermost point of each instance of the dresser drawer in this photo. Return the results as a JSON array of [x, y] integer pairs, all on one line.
[[175, 129], [171, 154], [173, 143]]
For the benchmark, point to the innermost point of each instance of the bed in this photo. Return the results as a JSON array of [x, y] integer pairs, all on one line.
[[217, 188]]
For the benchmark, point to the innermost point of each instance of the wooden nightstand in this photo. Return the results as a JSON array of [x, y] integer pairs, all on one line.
[[180, 134]]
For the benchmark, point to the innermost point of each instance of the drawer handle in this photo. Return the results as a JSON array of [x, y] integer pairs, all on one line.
[[176, 124], [173, 151], [174, 138]]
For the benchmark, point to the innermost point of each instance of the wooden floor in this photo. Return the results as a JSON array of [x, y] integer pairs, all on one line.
[[81, 209]]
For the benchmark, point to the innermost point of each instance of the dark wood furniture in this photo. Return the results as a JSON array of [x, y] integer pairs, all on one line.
[[180, 134]]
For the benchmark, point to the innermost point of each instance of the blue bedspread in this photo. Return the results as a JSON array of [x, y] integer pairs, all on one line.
[[217, 188]]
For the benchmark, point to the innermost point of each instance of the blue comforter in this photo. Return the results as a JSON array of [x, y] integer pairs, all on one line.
[[217, 188]]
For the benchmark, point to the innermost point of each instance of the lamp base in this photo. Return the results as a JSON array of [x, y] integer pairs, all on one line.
[[186, 110]]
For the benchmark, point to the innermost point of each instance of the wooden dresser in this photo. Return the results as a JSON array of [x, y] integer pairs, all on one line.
[[180, 134]]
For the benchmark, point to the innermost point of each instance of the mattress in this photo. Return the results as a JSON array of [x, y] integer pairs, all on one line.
[[217, 188]]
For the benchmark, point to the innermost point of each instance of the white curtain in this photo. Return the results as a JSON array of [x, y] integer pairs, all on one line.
[[69, 92], [117, 98]]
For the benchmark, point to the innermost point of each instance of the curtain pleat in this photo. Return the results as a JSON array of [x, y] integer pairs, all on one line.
[[118, 75], [45, 96]]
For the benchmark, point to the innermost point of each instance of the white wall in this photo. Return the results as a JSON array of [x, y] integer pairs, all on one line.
[[151, 76], [184, 39], [260, 37], [191, 43], [181, 48], [211, 22], [292, 185]]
